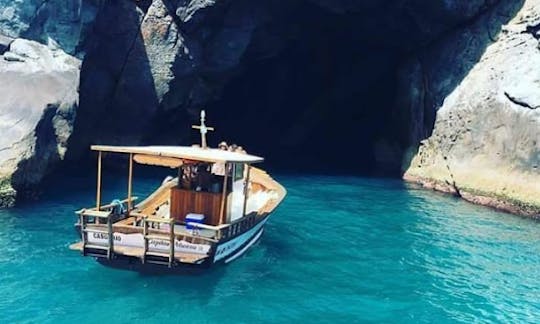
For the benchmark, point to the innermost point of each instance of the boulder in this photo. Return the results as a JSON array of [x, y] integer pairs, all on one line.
[[485, 145], [39, 99]]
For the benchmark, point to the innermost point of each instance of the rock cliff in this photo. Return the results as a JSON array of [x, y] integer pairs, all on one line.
[[434, 90], [299, 68], [39, 97], [485, 145], [61, 22]]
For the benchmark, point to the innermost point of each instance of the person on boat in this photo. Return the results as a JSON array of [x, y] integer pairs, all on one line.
[[223, 146], [232, 147], [218, 168], [204, 177], [218, 171], [240, 149], [189, 176]]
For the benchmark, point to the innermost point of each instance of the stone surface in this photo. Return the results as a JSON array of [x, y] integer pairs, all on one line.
[[39, 98], [485, 145], [147, 68], [60, 22]]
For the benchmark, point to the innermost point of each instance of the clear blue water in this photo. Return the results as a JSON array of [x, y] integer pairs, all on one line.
[[339, 249]]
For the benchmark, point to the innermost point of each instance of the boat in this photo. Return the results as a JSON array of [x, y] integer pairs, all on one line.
[[211, 212]]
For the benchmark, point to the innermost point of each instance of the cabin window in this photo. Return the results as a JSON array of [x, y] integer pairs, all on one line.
[[238, 171], [200, 177]]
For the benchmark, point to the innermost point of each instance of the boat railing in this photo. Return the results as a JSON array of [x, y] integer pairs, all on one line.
[[239, 225], [217, 229], [84, 216], [108, 207], [107, 229], [150, 236], [225, 231], [135, 218]]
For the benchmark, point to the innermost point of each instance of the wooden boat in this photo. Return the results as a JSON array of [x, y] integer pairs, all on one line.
[[212, 212]]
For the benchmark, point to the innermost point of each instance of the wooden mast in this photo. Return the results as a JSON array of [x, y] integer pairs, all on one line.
[[98, 193], [130, 183], [203, 129]]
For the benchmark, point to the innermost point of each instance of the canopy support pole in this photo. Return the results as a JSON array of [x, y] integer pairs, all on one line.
[[246, 190], [130, 183], [98, 193], [223, 195]]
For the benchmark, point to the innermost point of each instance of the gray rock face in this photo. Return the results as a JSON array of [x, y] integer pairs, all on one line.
[[147, 65], [62, 23], [39, 98], [485, 145]]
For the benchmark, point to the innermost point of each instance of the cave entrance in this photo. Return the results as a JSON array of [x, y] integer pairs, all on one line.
[[322, 96]]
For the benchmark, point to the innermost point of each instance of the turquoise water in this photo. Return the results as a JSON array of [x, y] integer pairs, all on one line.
[[339, 249]]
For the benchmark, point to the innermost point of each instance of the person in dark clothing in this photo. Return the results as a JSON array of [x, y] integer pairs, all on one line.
[[204, 177]]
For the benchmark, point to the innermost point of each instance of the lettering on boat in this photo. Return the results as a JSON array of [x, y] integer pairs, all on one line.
[[227, 248], [137, 240], [105, 236]]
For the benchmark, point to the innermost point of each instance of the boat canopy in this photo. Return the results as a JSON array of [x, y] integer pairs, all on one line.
[[183, 152]]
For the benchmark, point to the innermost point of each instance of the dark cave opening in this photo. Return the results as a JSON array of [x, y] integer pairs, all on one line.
[[312, 86], [323, 101]]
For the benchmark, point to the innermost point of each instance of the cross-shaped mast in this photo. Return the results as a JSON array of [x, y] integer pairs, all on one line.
[[203, 129]]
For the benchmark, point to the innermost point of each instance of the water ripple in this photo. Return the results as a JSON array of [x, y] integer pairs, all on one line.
[[339, 249]]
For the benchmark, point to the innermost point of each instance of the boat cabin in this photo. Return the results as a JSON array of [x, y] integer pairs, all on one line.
[[210, 182]]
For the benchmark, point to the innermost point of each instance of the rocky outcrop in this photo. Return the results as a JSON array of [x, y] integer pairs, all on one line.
[[165, 59], [60, 22], [485, 145], [39, 98]]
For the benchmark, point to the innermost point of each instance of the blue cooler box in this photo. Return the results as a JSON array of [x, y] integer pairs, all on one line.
[[193, 218]]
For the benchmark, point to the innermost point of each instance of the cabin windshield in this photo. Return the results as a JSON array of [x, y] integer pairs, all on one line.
[[206, 177]]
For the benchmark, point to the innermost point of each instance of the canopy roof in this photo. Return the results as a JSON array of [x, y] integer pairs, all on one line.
[[183, 152]]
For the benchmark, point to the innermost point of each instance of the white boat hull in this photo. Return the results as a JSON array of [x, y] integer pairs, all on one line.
[[234, 248]]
